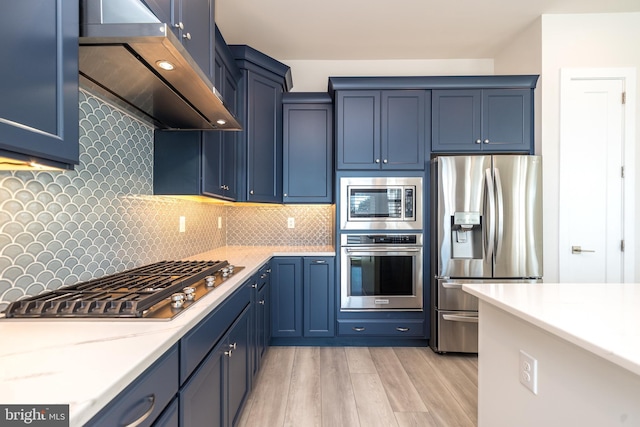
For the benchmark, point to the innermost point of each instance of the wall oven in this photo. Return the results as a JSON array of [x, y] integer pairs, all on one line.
[[381, 203], [381, 272]]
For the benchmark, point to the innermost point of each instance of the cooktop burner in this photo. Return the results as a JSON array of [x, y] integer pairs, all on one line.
[[156, 291]]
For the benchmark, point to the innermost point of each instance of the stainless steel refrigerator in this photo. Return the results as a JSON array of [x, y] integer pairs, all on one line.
[[486, 227]]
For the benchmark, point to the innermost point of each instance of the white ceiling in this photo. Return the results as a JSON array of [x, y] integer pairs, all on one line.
[[389, 29]]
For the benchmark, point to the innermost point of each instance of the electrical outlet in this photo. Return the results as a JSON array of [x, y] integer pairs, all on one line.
[[291, 223], [528, 372], [219, 222], [182, 224]]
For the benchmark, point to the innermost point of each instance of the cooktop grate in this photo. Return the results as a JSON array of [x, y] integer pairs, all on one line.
[[126, 294]]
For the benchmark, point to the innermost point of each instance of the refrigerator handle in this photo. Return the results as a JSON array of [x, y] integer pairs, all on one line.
[[500, 212], [490, 216]]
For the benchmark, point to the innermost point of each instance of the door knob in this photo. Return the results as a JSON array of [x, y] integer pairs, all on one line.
[[579, 250]]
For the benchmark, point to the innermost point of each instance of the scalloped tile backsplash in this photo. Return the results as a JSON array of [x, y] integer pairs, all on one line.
[[58, 228]]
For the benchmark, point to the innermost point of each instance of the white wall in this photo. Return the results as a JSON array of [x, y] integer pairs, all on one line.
[[553, 42], [313, 75], [575, 387], [578, 41]]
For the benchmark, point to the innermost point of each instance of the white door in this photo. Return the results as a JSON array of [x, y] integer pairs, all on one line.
[[592, 186]]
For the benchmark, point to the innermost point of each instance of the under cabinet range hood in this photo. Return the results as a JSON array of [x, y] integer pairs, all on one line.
[[122, 44]]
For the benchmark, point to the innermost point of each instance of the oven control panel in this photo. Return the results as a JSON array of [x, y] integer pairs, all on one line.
[[381, 239]]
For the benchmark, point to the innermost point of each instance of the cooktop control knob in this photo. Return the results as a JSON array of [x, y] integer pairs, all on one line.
[[225, 272], [210, 281], [177, 300], [190, 293], [231, 267]]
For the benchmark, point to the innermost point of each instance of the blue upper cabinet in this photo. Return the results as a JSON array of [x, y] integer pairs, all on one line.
[[380, 129], [307, 148], [261, 86], [488, 120], [39, 85]]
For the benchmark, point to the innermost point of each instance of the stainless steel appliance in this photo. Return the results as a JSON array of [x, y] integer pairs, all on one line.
[[163, 82], [381, 203], [486, 226], [156, 291], [381, 272]]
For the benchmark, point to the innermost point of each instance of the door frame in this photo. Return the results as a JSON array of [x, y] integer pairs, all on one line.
[[628, 78]]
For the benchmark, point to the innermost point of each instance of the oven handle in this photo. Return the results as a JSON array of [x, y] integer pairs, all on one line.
[[457, 318], [385, 249]]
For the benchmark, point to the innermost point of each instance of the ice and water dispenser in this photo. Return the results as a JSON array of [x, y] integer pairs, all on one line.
[[466, 235]]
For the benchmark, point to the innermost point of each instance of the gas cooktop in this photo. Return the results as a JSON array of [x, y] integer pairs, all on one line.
[[156, 291]]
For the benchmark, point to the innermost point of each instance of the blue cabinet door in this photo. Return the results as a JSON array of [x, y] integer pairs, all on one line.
[[39, 103], [237, 376], [487, 120], [202, 399], [264, 142], [319, 296], [456, 125], [507, 120], [198, 33], [286, 297], [403, 129], [358, 130], [307, 150]]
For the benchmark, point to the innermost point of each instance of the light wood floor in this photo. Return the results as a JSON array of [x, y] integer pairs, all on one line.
[[363, 386]]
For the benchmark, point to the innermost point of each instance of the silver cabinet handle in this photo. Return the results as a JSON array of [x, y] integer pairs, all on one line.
[[179, 25], [261, 302], [228, 353], [478, 141], [151, 398], [457, 318], [402, 329], [263, 275], [187, 36], [254, 285], [579, 250], [385, 161], [319, 261], [486, 141], [377, 160], [358, 328], [233, 346], [251, 192]]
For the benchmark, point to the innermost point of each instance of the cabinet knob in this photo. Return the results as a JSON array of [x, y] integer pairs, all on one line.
[[478, 141], [251, 192], [228, 353], [254, 285], [285, 194], [377, 160], [187, 36], [486, 141], [385, 161], [233, 346], [179, 25], [261, 302]]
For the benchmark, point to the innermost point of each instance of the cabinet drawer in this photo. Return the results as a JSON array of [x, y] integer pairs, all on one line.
[[195, 345], [387, 328], [145, 398]]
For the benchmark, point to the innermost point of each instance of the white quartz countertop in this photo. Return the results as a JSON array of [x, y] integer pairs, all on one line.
[[602, 318], [86, 363]]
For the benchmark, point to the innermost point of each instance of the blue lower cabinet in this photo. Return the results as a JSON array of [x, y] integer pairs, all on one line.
[[169, 417], [143, 401], [218, 388], [303, 297], [286, 297], [319, 297], [409, 328]]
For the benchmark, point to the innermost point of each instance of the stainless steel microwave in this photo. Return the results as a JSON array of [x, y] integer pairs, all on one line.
[[380, 203]]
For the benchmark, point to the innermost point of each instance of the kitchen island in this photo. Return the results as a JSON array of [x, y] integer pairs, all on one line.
[[585, 340], [87, 363]]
